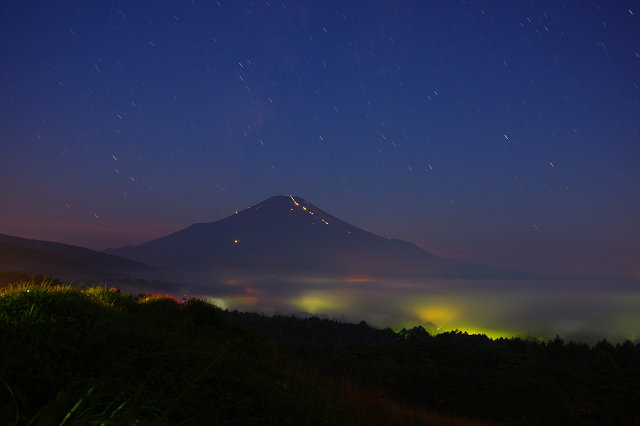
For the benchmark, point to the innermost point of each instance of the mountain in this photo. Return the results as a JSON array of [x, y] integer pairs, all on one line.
[[62, 260], [288, 234]]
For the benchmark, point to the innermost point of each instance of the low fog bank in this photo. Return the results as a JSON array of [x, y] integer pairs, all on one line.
[[578, 310]]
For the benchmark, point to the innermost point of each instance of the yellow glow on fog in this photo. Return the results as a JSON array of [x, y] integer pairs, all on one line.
[[317, 303], [218, 302], [490, 333], [437, 314]]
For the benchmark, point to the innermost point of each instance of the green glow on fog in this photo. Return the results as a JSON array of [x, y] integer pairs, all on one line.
[[218, 302], [318, 303], [581, 311], [490, 333]]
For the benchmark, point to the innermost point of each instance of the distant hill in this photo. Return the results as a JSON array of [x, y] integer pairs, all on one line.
[[62, 260], [287, 233]]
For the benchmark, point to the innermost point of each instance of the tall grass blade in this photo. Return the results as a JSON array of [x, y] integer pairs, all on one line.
[[14, 401], [75, 407]]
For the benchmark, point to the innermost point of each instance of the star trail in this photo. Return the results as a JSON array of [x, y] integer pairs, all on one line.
[[504, 134]]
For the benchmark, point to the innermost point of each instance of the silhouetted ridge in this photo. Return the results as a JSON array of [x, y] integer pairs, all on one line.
[[288, 233], [58, 259]]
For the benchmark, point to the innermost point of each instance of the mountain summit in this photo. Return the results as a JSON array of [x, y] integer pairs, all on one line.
[[287, 234]]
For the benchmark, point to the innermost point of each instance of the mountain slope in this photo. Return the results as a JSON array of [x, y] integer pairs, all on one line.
[[57, 259], [287, 233]]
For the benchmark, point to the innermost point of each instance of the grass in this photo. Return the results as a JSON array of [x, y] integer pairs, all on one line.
[[92, 356], [374, 407]]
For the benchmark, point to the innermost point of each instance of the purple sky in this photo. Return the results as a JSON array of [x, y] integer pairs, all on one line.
[[503, 133]]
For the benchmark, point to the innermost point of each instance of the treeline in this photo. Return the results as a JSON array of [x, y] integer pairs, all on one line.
[[515, 380]]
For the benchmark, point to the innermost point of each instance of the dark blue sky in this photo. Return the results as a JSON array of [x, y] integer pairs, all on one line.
[[497, 132]]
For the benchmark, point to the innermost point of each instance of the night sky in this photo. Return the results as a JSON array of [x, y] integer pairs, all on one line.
[[505, 133]]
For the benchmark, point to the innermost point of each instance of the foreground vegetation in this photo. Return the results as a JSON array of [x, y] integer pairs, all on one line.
[[516, 381], [93, 356]]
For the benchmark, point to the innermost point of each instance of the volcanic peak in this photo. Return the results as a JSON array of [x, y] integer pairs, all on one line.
[[290, 209], [287, 233], [290, 203]]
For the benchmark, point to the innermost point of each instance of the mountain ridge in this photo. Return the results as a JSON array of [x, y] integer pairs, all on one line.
[[288, 233], [62, 260]]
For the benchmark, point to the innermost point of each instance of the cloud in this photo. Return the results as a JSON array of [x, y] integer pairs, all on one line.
[[576, 310]]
